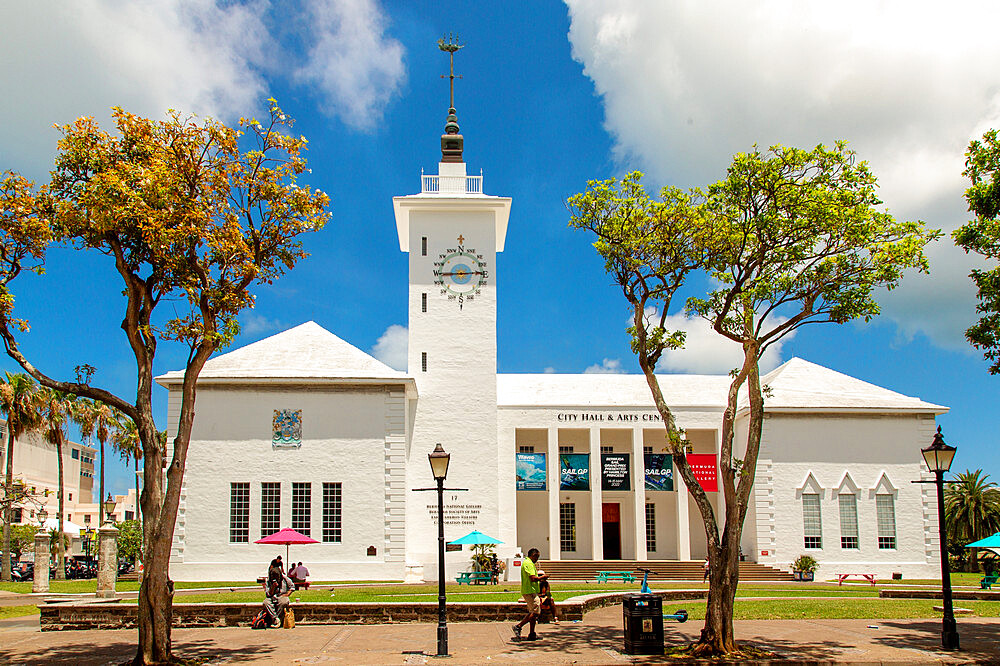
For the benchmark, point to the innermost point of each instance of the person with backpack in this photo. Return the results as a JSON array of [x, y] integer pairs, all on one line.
[[276, 598]]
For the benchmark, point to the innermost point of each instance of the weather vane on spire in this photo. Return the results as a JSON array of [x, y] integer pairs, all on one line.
[[450, 47]]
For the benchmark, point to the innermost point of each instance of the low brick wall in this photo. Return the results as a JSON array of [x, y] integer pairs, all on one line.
[[973, 595], [114, 615]]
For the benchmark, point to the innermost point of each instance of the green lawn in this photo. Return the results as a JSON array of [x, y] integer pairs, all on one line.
[[820, 609], [82, 586], [17, 611]]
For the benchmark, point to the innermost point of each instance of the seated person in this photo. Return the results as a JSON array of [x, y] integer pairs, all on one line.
[[545, 600], [298, 573], [279, 587]]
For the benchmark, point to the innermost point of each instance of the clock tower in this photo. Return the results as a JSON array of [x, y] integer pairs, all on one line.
[[452, 232]]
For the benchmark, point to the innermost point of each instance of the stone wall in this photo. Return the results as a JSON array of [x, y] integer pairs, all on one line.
[[114, 615]]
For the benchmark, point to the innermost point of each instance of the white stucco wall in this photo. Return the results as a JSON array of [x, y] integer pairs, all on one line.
[[354, 437], [834, 454]]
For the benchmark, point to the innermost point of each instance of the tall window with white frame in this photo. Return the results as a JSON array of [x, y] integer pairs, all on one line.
[[885, 513], [650, 527], [239, 512], [567, 527], [302, 507], [812, 521], [332, 503], [848, 521], [270, 508]]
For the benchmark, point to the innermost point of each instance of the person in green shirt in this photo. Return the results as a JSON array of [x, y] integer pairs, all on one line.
[[530, 587]]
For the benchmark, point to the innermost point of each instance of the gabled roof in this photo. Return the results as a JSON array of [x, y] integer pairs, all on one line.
[[799, 384], [609, 390], [795, 385], [306, 352]]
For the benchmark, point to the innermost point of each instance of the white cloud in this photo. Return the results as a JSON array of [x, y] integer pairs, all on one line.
[[609, 366], [549, 370], [687, 85], [63, 60], [355, 66], [255, 325], [391, 347], [706, 352]]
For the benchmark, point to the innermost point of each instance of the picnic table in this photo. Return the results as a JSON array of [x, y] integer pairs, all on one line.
[[870, 577], [624, 576], [475, 577], [988, 581]]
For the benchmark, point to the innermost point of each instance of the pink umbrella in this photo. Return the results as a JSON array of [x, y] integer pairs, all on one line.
[[286, 536]]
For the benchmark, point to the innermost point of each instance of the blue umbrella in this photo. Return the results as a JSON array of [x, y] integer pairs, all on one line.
[[476, 538], [989, 543]]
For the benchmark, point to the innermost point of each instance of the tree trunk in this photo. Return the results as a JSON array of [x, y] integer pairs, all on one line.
[[100, 495], [60, 546], [8, 507], [718, 636], [159, 515]]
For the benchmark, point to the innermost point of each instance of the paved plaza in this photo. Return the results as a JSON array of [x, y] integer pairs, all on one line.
[[596, 640]]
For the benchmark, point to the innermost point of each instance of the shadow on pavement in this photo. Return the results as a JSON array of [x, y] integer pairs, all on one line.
[[122, 651], [980, 642]]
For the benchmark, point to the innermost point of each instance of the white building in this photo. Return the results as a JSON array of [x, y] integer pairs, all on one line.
[[304, 430]]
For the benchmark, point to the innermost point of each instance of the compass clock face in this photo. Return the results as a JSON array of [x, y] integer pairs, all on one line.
[[460, 273]]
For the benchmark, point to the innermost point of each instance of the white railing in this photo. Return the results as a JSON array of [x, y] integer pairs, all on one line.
[[451, 184]]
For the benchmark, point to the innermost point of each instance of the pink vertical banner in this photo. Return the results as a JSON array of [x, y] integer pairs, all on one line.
[[703, 466]]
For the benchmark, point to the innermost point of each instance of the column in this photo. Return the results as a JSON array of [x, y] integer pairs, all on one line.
[[720, 497], [553, 477], [107, 564], [639, 494], [596, 500], [41, 583], [683, 526]]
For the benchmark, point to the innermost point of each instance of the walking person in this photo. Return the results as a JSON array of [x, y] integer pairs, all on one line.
[[707, 568], [530, 588]]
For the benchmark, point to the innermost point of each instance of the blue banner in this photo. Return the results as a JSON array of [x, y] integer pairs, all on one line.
[[530, 471], [574, 471], [659, 471]]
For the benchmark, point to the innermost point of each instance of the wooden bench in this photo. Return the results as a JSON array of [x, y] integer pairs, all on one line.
[[624, 576], [474, 577], [870, 577], [303, 584], [988, 581]]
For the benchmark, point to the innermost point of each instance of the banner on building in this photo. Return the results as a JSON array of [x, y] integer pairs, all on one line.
[[703, 466], [615, 471], [659, 471], [574, 471], [530, 471]]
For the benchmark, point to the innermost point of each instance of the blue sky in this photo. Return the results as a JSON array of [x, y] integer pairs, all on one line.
[[553, 94]]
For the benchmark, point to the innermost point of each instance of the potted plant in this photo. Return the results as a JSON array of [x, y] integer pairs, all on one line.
[[804, 567]]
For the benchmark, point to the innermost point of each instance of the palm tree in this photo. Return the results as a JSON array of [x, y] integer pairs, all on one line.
[[95, 418], [972, 510], [56, 406], [125, 437], [18, 402]]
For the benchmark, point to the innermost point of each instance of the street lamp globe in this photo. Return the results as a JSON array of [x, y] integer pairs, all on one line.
[[439, 460], [109, 508], [938, 455], [42, 516]]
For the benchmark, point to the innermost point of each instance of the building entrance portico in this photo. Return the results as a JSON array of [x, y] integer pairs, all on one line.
[[609, 493]]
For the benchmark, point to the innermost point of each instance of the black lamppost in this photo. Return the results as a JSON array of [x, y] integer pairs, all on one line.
[[938, 457], [439, 460]]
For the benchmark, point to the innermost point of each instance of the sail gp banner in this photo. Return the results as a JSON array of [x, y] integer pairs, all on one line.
[[530, 471], [703, 466], [574, 471], [659, 471]]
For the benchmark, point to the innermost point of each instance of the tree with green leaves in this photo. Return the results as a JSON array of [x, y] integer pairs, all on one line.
[[129, 540], [19, 405], [192, 215], [790, 237], [972, 511], [22, 539], [982, 236]]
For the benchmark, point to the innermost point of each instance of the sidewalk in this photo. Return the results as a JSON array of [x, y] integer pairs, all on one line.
[[597, 640]]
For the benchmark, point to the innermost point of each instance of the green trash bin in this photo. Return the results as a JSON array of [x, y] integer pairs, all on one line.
[[643, 619]]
